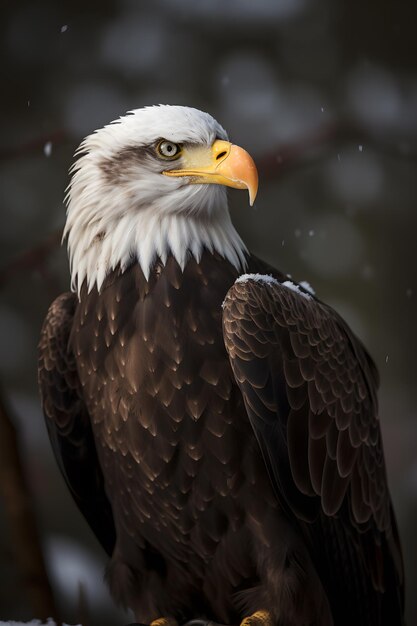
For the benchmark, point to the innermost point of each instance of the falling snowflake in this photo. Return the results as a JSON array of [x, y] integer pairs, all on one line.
[[47, 149]]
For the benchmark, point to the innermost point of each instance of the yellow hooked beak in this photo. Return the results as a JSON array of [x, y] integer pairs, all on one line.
[[221, 164]]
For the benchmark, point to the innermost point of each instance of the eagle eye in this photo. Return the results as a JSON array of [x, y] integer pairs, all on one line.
[[168, 149]]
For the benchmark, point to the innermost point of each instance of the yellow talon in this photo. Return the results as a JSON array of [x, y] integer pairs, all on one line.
[[164, 621], [259, 618]]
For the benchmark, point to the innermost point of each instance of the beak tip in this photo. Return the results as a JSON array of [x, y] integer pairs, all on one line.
[[252, 196]]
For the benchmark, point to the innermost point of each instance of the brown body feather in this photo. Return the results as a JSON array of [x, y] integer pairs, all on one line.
[[223, 487]]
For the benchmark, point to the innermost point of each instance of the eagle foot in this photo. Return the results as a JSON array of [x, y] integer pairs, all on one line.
[[259, 618], [164, 621]]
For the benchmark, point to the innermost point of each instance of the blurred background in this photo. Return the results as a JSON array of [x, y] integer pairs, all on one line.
[[323, 93]]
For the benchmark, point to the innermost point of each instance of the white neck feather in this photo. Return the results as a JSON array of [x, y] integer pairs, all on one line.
[[146, 235]]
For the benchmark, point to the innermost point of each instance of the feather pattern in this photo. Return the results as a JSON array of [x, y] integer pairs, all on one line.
[[316, 418], [68, 421], [224, 472], [190, 495]]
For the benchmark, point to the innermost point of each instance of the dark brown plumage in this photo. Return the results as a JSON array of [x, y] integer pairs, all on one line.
[[223, 474]]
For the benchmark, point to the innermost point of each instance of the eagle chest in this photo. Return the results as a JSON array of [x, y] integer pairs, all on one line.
[[169, 423]]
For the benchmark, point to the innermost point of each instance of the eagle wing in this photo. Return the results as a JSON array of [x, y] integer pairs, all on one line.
[[309, 388], [68, 422]]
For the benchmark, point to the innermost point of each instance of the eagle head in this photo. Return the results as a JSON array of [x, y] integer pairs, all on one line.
[[150, 184]]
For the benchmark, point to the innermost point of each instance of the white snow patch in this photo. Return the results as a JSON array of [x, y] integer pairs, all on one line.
[[71, 565], [47, 149], [259, 278], [267, 279], [270, 280], [296, 288], [306, 285]]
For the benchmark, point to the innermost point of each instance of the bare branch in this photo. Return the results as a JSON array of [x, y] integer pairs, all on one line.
[[20, 518]]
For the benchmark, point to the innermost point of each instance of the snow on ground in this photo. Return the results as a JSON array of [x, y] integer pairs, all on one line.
[[34, 622], [71, 565]]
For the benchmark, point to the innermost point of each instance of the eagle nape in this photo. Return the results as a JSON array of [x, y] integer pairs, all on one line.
[[216, 423]]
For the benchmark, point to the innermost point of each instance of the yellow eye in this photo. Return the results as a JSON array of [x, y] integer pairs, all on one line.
[[168, 149]]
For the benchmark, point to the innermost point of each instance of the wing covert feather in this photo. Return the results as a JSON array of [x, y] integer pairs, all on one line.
[[315, 416], [68, 422]]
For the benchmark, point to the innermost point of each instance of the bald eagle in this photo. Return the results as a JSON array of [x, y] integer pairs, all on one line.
[[216, 423]]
